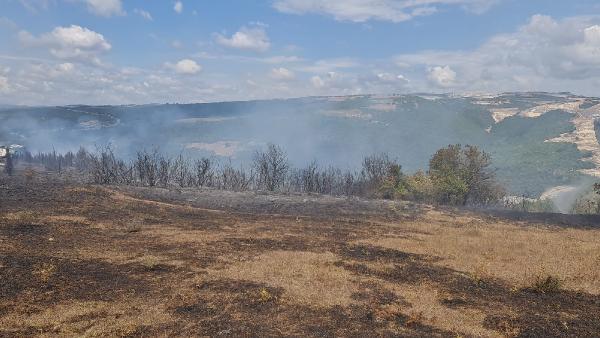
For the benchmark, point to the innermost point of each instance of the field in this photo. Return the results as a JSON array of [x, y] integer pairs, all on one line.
[[81, 260]]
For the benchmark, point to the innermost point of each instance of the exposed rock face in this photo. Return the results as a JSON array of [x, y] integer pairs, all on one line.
[[584, 136]]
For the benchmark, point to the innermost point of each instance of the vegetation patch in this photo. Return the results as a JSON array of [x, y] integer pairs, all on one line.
[[306, 277], [548, 284]]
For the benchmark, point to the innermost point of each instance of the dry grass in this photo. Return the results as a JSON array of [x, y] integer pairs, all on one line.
[[515, 254], [44, 271], [90, 319], [191, 272], [22, 218], [426, 306], [307, 277]]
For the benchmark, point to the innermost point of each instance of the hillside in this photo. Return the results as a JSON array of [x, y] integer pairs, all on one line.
[[104, 261], [538, 140]]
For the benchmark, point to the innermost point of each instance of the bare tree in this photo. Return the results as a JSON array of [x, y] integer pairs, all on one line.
[[376, 168], [106, 168], [9, 166], [205, 172], [234, 179], [146, 166], [271, 168], [82, 160], [164, 171], [308, 177], [181, 171]]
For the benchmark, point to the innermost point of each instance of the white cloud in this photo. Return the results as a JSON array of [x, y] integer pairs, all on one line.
[[317, 82], [391, 78], [73, 42], [66, 67], [144, 14], [281, 59], [330, 65], [106, 8], [34, 5], [544, 54], [282, 74], [176, 44], [178, 7], [442, 76], [4, 84], [247, 38], [7, 23], [383, 10], [185, 66], [335, 83]]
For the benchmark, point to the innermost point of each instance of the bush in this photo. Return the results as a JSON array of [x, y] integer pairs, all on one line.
[[548, 284]]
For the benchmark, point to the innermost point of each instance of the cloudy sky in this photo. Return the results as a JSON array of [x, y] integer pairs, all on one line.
[[142, 51]]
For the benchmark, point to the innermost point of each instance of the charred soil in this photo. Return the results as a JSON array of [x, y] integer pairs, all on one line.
[[85, 260]]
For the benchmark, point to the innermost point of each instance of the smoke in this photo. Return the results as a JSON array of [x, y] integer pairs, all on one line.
[[336, 131], [565, 197]]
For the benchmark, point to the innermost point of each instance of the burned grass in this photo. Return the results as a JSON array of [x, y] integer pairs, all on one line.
[[81, 260]]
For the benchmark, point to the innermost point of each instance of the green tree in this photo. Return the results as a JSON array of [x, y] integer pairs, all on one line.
[[463, 175], [419, 187]]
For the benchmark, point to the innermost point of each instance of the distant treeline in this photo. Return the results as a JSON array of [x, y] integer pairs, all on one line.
[[457, 175]]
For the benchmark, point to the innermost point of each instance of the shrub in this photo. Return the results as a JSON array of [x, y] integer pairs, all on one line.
[[548, 284]]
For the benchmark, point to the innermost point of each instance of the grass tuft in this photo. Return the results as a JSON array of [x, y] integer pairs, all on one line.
[[548, 284]]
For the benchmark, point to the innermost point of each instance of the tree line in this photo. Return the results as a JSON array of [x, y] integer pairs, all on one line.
[[457, 175]]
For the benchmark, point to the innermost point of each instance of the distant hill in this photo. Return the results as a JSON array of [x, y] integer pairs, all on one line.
[[537, 140]]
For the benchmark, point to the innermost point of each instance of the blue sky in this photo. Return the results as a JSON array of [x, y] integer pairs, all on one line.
[[140, 51]]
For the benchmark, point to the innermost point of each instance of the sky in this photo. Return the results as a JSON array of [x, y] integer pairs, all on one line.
[[57, 52]]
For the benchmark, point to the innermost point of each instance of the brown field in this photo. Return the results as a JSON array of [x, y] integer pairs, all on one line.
[[106, 261]]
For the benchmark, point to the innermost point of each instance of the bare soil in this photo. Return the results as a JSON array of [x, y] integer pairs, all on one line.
[[80, 260]]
